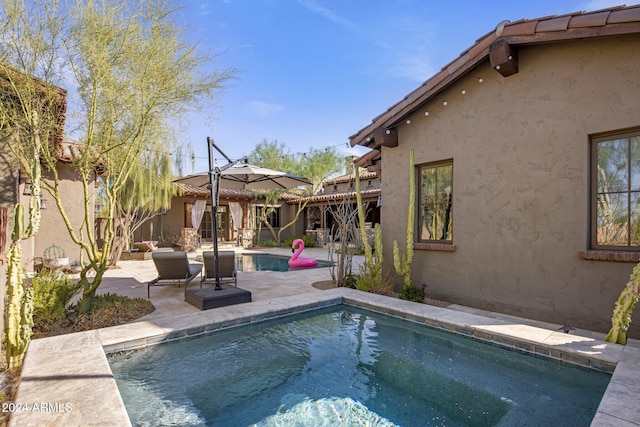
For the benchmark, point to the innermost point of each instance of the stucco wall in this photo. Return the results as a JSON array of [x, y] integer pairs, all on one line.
[[173, 222], [52, 227], [520, 150]]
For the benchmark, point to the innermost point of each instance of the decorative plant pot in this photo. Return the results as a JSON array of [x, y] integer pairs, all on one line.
[[56, 262]]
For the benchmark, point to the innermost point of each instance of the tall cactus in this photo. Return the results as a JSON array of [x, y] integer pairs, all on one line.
[[19, 309], [624, 309], [403, 265]]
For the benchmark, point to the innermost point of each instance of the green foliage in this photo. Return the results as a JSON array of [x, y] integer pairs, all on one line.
[[316, 166], [623, 310], [309, 241], [136, 74], [371, 278], [267, 243], [53, 290], [413, 293]]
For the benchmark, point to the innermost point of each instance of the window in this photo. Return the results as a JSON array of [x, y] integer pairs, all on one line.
[[615, 198], [435, 196], [272, 215]]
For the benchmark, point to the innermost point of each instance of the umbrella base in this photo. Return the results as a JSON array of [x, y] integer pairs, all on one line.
[[208, 298]]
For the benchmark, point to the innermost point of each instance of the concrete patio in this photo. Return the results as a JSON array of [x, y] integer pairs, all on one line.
[[71, 377]]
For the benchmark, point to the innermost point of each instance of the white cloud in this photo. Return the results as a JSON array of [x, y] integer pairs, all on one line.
[[264, 109], [327, 13], [403, 42]]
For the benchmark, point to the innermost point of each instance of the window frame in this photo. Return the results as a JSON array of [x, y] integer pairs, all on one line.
[[274, 216], [594, 142], [419, 204]]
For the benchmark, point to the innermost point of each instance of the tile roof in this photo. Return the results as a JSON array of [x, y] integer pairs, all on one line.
[[190, 190], [370, 193], [364, 174], [579, 25], [69, 151]]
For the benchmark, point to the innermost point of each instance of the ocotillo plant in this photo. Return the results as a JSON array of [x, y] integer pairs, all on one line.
[[624, 309], [403, 264]]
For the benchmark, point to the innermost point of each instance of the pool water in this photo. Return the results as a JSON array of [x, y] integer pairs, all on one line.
[[345, 367], [262, 262]]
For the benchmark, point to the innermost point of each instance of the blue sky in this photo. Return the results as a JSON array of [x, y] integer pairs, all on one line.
[[314, 72]]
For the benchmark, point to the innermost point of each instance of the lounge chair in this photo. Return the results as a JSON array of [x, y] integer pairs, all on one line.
[[227, 264], [173, 267]]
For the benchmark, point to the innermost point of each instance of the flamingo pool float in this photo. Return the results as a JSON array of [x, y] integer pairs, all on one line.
[[301, 262]]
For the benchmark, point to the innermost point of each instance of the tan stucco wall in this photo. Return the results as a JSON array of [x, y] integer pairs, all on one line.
[[52, 227], [172, 222], [520, 150]]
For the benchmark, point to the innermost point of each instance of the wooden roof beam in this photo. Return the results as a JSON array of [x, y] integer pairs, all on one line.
[[503, 57]]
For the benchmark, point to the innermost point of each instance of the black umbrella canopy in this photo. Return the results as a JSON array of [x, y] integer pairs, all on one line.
[[248, 177]]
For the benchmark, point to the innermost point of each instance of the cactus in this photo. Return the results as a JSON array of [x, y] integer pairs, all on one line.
[[403, 265], [19, 309], [623, 310]]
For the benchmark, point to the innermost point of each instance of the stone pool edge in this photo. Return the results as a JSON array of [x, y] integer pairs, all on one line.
[[68, 380]]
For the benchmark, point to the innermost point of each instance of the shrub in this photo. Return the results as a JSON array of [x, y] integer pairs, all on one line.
[[267, 243], [413, 293], [309, 241], [52, 292]]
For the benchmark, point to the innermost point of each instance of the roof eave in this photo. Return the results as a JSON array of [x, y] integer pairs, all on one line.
[[606, 22]]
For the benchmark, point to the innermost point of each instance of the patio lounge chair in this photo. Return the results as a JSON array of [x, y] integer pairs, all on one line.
[[173, 267], [227, 264]]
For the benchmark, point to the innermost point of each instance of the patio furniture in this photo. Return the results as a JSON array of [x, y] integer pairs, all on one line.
[[227, 264], [173, 267], [145, 246]]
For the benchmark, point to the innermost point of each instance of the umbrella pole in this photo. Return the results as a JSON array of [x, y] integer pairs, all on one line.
[[214, 186]]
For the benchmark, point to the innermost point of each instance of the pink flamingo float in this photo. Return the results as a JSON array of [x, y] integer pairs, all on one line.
[[301, 262]]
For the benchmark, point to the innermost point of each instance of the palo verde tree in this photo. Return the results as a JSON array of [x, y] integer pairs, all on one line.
[[315, 165], [133, 75]]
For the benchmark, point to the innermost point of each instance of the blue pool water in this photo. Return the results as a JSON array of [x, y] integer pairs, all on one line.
[[262, 262], [347, 367]]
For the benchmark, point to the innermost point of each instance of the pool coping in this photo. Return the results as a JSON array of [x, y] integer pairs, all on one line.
[[67, 380]]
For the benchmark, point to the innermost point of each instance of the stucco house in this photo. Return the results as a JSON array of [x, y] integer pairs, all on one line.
[[237, 213], [319, 219], [16, 188], [527, 169]]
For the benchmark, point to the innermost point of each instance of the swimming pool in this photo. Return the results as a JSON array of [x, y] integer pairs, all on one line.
[[262, 262], [335, 365]]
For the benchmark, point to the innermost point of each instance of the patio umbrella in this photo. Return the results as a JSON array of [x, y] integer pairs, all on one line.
[[236, 174], [242, 175]]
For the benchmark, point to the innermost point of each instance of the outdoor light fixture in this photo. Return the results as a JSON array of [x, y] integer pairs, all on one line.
[[27, 187], [43, 203]]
